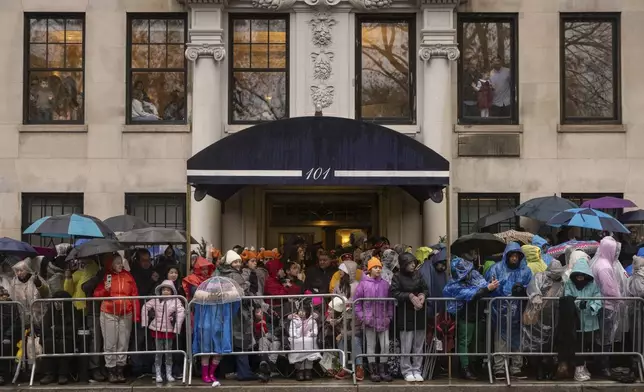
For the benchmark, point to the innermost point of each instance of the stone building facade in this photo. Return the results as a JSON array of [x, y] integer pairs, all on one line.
[[68, 124]]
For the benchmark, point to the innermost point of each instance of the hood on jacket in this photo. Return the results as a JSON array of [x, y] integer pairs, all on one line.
[[640, 252], [581, 267], [405, 260], [533, 258], [25, 265], [166, 283], [352, 269], [231, 256], [203, 262], [274, 268], [555, 270], [460, 269], [488, 264], [390, 259], [638, 265], [423, 253], [513, 247], [575, 256], [607, 249]]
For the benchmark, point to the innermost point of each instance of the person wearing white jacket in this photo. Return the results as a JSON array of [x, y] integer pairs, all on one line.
[[303, 333]]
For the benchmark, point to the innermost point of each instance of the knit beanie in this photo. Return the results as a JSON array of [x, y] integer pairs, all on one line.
[[373, 262], [231, 256]]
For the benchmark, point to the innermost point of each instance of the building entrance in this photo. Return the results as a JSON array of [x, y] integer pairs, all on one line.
[[325, 218]]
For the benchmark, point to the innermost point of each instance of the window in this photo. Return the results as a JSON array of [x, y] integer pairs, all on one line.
[[487, 70], [39, 205], [385, 66], [156, 68], [158, 209], [472, 207], [54, 62], [590, 68], [258, 80]]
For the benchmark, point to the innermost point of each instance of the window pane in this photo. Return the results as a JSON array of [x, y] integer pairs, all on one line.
[[157, 56], [74, 56], [38, 56], [38, 30], [472, 208], [56, 30], [241, 56], [36, 206], [55, 56], [55, 96], [176, 57], [487, 90], [157, 31], [140, 31], [241, 30], [158, 96], [176, 29], [589, 69], [140, 56], [277, 31], [259, 56], [259, 96], [259, 31], [74, 31], [277, 56], [385, 82]]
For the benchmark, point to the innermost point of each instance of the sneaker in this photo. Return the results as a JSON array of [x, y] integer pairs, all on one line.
[[586, 372], [410, 378], [96, 375], [519, 375], [418, 377], [580, 376]]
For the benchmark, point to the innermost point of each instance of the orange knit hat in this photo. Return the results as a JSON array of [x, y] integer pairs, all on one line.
[[373, 262], [248, 254]]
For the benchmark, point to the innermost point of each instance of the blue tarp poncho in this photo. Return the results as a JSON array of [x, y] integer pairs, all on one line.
[[460, 287], [212, 332]]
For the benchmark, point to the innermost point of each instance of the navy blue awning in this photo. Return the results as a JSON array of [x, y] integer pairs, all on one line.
[[318, 151]]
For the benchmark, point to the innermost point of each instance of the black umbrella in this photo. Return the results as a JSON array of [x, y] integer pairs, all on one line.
[[121, 223], [16, 248], [97, 246], [155, 235], [544, 208], [484, 243], [494, 218], [632, 217]]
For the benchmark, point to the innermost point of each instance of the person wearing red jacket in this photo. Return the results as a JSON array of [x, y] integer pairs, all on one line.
[[117, 316]]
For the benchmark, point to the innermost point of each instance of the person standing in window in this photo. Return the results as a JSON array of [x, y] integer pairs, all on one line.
[[484, 92], [501, 83], [139, 105]]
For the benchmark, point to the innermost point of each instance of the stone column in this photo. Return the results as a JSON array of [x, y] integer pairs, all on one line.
[[206, 50], [438, 50]]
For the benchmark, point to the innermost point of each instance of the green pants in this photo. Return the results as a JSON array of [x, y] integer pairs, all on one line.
[[465, 336]]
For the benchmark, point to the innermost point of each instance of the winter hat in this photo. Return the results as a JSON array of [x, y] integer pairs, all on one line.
[[344, 269], [338, 305], [165, 284], [373, 262], [390, 259], [231, 256], [248, 255]]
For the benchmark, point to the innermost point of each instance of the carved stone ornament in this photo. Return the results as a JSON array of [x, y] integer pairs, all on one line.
[[367, 5], [322, 65], [195, 51], [449, 51], [322, 95], [321, 24], [273, 5]]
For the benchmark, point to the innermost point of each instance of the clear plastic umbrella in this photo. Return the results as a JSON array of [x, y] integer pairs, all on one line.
[[217, 291]]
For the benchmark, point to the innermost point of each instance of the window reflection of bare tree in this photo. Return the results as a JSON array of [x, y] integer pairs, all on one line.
[[385, 69], [588, 52], [259, 96]]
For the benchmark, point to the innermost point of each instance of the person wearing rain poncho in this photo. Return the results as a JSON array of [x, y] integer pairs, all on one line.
[[582, 285], [533, 258], [26, 287], [543, 245], [433, 269], [635, 288], [540, 317], [513, 275], [467, 286], [216, 301]]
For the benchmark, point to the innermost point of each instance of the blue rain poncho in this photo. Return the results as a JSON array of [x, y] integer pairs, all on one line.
[[466, 282], [508, 278], [543, 245], [213, 332]]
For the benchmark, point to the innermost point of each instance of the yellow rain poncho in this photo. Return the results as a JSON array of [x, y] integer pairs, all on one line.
[[533, 257], [74, 286]]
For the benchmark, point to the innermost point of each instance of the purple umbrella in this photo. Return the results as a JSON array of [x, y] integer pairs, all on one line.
[[608, 202]]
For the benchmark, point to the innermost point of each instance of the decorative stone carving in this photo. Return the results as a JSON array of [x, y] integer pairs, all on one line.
[[429, 51], [367, 5], [321, 24], [315, 3], [195, 51], [273, 5]]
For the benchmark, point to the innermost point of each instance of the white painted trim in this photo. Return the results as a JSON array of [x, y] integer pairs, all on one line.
[[390, 173], [245, 173]]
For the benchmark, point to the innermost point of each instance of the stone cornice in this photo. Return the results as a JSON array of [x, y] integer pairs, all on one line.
[[430, 51], [216, 51]]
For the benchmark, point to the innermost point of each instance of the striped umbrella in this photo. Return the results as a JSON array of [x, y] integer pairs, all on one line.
[[587, 218], [70, 225]]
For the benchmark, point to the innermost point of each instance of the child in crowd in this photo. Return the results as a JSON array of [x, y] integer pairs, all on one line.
[[11, 330], [409, 289], [375, 317], [201, 271], [303, 333], [117, 317], [165, 325], [249, 259]]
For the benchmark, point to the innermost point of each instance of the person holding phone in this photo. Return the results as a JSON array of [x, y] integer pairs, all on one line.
[[117, 316]]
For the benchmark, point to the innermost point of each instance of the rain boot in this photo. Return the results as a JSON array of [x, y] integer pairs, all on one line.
[[157, 373], [168, 373], [211, 374], [384, 372], [374, 376], [205, 375]]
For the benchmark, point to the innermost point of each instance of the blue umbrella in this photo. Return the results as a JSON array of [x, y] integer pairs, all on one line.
[[587, 218], [70, 225], [13, 247]]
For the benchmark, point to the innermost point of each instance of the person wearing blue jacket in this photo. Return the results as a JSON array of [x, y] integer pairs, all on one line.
[[513, 275]]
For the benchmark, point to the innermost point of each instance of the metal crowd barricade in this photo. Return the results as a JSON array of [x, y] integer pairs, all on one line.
[[441, 331], [517, 334], [89, 327], [12, 317], [273, 340]]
